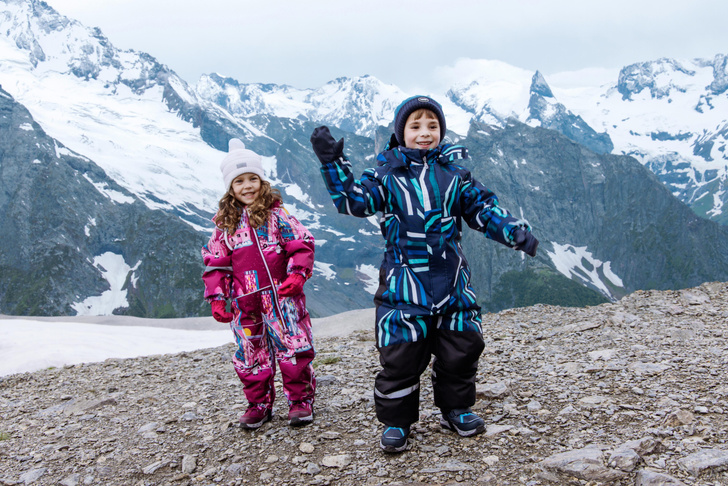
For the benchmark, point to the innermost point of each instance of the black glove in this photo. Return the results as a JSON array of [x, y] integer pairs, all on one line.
[[525, 241], [325, 147]]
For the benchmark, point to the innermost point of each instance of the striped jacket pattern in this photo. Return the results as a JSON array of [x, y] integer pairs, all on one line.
[[423, 197]]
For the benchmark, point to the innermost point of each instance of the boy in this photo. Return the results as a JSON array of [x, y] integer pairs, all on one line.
[[424, 305]]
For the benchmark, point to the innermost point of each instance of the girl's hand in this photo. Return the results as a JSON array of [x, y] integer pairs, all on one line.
[[219, 312], [291, 286]]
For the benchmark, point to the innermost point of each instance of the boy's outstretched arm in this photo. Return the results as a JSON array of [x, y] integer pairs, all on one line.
[[482, 212], [360, 198]]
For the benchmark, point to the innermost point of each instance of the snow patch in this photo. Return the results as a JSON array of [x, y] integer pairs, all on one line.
[[369, 275], [115, 270], [578, 262], [87, 228], [717, 204], [115, 196], [31, 345], [324, 269]]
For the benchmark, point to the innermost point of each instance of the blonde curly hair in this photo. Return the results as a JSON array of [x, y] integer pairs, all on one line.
[[230, 210]]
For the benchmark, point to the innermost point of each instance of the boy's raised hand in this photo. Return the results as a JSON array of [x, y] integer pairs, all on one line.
[[325, 147], [525, 241]]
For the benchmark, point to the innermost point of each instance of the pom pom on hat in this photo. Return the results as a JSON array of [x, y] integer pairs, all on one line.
[[240, 160], [409, 106]]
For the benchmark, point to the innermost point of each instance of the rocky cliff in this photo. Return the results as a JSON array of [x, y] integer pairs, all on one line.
[[59, 210]]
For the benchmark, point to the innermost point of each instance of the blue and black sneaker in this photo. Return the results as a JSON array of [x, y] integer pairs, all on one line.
[[463, 421], [394, 439]]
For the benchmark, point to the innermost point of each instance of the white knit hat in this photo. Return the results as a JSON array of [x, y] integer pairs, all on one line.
[[240, 160]]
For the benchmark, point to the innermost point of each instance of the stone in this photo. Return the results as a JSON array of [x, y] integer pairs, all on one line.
[[336, 460], [491, 390], [306, 447], [491, 460], [586, 464], [678, 418], [706, 460], [624, 460], [30, 477], [451, 465], [647, 477], [152, 468], [189, 463]]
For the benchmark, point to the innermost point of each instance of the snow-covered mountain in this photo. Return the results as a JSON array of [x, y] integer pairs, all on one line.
[[161, 141], [357, 105], [106, 104], [136, 119], [670, 115]]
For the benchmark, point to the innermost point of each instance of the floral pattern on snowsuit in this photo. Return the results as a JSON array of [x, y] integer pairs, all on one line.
[[246, 268]]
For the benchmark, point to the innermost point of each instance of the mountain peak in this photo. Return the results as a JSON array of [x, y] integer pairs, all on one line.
[[545, 111], [540, 87], [660, 77], [720, 75]]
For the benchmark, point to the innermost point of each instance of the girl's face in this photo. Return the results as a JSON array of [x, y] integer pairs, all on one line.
[[422, 132], [245, 188]]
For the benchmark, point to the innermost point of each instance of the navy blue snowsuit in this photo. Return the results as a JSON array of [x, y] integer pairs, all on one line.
[[425, 304]]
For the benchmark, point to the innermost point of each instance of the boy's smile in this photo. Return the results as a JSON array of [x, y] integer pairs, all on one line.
[[246, 188], [423, 131]]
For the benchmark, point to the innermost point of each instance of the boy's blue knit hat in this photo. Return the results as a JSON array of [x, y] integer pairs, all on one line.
[[410, 105]]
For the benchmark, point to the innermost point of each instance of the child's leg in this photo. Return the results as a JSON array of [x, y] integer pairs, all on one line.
[[455, 367], [299, 381], [292, 339], [257, 381], [397, 385], [253, 362]]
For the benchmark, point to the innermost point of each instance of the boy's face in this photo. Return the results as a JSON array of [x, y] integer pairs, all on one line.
[[422, 130]]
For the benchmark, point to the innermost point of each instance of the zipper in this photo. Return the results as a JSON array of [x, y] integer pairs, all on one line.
[[254, 237]]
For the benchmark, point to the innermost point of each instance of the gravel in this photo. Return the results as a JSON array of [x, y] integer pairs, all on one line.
[[628, 393]]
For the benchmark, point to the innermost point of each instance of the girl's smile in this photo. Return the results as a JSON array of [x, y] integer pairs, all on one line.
[[245, 188]]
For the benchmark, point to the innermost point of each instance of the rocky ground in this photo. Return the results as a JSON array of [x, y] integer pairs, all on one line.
[[633, 392]]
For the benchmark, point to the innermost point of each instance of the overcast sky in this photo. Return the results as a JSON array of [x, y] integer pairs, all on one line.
[[404, 42]]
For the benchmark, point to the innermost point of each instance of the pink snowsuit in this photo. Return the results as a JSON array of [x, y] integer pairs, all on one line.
[[247, 267]]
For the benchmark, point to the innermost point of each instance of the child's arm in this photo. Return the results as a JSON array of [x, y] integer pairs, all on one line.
[[298, 243], [218, 268], [482, 212], [360, 198]]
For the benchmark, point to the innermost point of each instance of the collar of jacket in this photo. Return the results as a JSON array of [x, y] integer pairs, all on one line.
[[442, 154]]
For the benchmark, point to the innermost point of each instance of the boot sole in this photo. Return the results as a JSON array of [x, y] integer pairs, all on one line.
[[256, 425], [299, 421], [391, 448]]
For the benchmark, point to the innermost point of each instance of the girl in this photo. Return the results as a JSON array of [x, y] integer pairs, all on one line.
[[259, 257]]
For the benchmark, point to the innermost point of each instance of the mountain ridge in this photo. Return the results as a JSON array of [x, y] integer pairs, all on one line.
[[160, 140]]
